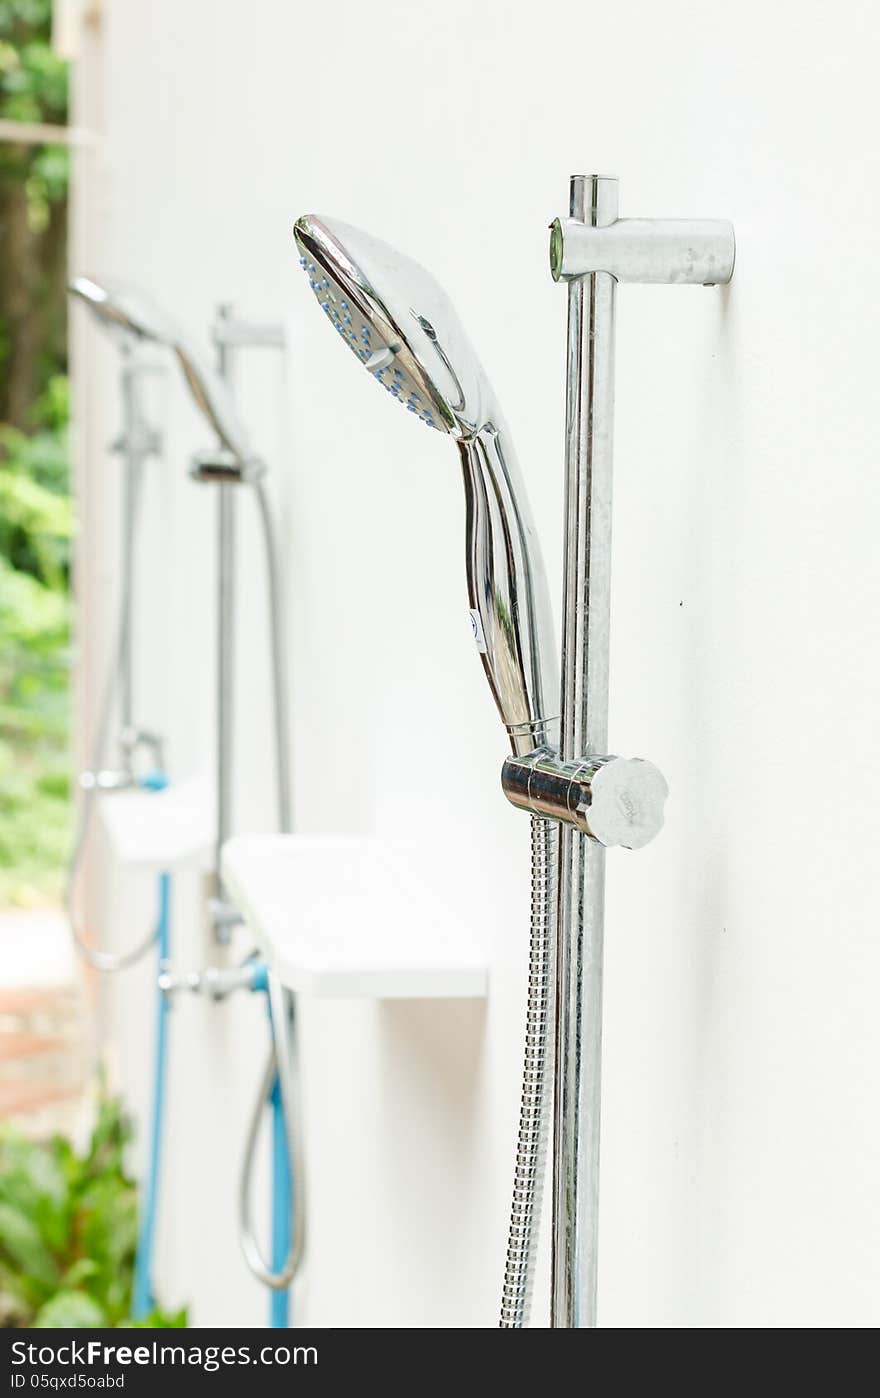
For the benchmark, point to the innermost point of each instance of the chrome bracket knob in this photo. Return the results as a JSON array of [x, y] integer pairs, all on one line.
[[613, 800]]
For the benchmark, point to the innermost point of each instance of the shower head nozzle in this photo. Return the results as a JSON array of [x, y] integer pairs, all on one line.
[[402, 327], [398, 322], [128, 313]]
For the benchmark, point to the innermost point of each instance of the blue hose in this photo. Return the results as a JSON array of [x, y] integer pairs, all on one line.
[[143, 1299], [279, 1305], [281, 1221]]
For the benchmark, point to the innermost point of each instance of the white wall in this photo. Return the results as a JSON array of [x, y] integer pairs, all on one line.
[[740, 1133]]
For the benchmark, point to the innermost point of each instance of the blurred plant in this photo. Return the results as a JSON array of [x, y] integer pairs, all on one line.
[[35, 511], [36, 521], [35, 532], [33, 211], [68, 1231]]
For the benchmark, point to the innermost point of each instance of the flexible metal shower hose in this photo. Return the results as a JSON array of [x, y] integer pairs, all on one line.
[[531, 1149], [283, 1060], [284, 1063], [105, 960], [279, 669]]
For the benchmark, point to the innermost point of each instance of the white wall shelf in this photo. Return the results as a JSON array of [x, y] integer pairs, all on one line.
[[345, 915], [163, 830]]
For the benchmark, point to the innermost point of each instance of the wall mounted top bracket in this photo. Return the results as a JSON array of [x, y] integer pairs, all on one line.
[[667, 251]]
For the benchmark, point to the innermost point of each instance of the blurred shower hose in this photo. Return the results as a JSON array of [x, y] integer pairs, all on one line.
[[279, 669], [282, 1065], [103, 960], [531, 1149], [279, 1086]]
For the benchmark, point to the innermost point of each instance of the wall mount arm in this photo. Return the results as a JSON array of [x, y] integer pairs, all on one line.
[[663, 251]]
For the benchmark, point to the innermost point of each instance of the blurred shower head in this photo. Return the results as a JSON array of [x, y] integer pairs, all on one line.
[[132, 316], [404, 330]]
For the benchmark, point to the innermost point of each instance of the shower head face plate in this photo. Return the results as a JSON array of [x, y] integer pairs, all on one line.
[[397, 321]]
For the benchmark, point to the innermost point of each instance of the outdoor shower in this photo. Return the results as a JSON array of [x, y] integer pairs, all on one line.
[[402, 328], [229, 464]]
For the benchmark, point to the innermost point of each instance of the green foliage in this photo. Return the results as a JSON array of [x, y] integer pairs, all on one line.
[[68, 1231], [52, 412], [35, 533], [36, 526], [162, 1320], [34, 706], [35, 510], [36, 518], [33, 88], [33, 77]]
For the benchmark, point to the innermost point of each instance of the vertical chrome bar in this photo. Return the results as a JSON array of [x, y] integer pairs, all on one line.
[[131, 451], [226, 540], [278, 659], [135, 444], [585, 670]]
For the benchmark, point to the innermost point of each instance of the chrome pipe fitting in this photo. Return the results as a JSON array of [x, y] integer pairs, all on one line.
[[217, 982], [612, 800], [107, 779], [170, 982], [221, 467], [224, 917], [133, 740], [668, 251], [231, 331]]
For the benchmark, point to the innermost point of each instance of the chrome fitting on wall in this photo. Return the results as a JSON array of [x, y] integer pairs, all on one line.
[[221, 467], [613, 800], [231, 331], [133, 742], [666, 251], [215, 982]]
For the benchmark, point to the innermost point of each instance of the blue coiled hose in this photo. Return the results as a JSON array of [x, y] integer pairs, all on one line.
[[282, 1188], [143, 1297], [283, 1206]]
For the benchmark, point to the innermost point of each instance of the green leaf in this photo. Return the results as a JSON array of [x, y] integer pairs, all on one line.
[[68, 1230], [85, 1269], [160, 1320], [15, 1293], [22, 1245], [70, 1310]]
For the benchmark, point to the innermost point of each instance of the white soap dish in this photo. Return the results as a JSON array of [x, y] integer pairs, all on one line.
[[163, 830]]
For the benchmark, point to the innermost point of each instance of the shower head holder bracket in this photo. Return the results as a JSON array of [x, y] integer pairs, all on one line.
[[221, 467], [231, 331], [612, 800]]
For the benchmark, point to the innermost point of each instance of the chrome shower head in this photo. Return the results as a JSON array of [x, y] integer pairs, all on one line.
[[131, 315], [398, 321], [404, 330]]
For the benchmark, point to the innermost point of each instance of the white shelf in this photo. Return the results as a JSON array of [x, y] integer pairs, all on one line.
[[163, 830], [344, 915]]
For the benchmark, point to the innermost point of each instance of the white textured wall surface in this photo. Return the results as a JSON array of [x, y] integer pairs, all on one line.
[[741, 1141]]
